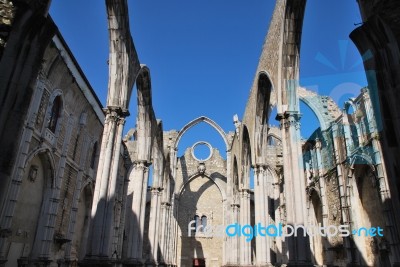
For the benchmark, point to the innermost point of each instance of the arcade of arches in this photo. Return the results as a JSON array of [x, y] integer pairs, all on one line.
[[94, 197]]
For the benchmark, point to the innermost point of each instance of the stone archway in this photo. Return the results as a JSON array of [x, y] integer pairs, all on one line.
[[198, 120], [367, 211], [32, 204], [81, 229]]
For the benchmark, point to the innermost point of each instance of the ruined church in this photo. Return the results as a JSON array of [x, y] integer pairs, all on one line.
[[76, 191]]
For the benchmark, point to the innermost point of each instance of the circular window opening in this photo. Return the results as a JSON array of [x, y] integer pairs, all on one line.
[[201, 151]]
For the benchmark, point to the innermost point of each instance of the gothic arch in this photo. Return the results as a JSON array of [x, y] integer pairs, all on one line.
[[207, 120], [364, 158], [158, 157], [323, 107], [194, 176], [50, 185], [143, 82], [274, 173], [263, 110], [83, 218], [145, 115], [264, 94], [56, 93], [46, 152], [246, 158], [235, 180]]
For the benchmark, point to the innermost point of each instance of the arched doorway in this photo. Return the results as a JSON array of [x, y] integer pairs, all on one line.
[[30, 208], [367, 212]]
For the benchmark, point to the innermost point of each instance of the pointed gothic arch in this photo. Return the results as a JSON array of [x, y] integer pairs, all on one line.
[[245, 159], [204, 119]]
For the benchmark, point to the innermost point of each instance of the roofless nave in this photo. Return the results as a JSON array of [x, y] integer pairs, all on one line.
[[67, 169]]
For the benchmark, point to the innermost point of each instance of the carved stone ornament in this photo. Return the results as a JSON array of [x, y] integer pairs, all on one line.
[[33, 173], [201, 168]]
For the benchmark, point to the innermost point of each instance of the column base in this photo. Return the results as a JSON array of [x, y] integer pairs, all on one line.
[[41, 262], [151, 263], [300, 264], [134, 263], [98, 262]]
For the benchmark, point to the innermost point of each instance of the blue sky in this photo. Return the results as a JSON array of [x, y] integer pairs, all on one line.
[[203, 55]]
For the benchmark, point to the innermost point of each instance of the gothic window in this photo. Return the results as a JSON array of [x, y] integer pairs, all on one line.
[[93, 158], [55, 114], [203, 222], [197, 222], [271, 141]]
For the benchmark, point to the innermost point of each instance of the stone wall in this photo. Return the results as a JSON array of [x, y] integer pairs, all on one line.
[[56, 167], [200, 196]]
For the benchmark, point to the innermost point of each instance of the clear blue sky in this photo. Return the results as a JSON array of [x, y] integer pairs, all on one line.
[[203, 55]]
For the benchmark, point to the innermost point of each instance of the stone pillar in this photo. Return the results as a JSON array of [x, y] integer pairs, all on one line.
[[259, 214], [245, 246], [137, 191], [227, 250], [347, 134], [165, 206], [295, 193], [344, 202], [154, 225], [172, 235], [235, 245], [102, 228], [263, 243]]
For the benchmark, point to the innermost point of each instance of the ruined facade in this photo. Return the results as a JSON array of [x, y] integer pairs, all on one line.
[[95, 197]]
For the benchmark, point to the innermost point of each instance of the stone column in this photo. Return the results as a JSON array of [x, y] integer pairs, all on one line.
[[295, 193], [227, 250], [344, 202], [102, 228], [259, 214], [263, 243], [137, 191], [163, 231], [347, 134], [235, 245], [172, 235], [154, 224], [245, 246], [320, 171]]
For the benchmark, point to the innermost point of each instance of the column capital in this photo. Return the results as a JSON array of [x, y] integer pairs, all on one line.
[[141, 164], [261, 167], [166, 204], [115, 114], [245, 192], [116, 110], [290, 119], [156, 190]]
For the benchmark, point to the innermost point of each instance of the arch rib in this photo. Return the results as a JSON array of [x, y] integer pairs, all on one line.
[[207, 120]]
